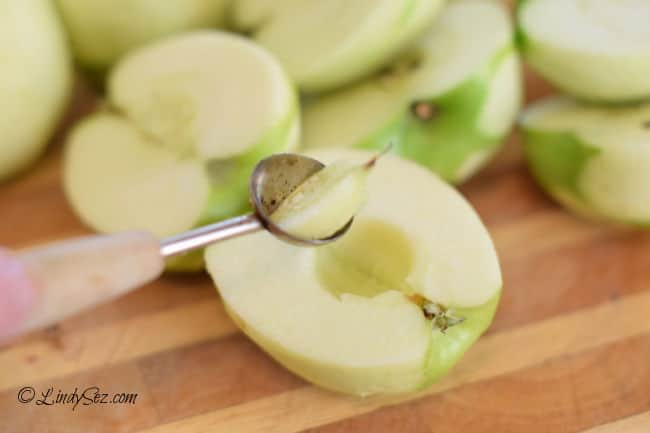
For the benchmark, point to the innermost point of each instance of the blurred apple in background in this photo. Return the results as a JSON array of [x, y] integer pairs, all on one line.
[[35, 80], [101, 31], [186, 120], [594, 50], [594, 160], [447, 101], [327, 44]]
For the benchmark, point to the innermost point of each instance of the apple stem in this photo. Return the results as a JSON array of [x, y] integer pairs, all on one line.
[[371, 163], [424, 110], [442, 317]]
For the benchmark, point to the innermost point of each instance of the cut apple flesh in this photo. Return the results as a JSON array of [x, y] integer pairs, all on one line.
[[102, 31], [249, 15], [595, 160], [216, 99], [325, 202], [445, 104], [35, 80], [131, 181], [192, 116], [319, 55], [593, 49], [343, 315]]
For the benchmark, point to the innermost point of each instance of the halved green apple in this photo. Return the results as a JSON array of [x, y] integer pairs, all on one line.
[[325, 44], [597, 50], [35, 80], [447, 103], [101, 31], [594, 160], [187, 120], [371, 312]]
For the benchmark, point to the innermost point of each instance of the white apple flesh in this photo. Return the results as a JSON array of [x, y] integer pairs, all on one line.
[[594, 160], [35, 80], [325, 202], [210, 94], [447, 103], [597, 50], [349, 316], [188, 119], [326, 44], [102, 31]]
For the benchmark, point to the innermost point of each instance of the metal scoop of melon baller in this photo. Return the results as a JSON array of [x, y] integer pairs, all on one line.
[[273, 179]]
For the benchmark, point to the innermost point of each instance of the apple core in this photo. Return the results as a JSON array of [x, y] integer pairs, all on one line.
[[371, 259]]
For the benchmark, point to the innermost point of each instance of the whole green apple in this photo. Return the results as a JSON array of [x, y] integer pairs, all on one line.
[[446, 103], [390, 306], [102, 31], [186, 121], [35, 80], [326, 44], [594, 160], [597, 50]]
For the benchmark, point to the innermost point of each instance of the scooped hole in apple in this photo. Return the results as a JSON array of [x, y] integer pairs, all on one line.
[[371, 259]]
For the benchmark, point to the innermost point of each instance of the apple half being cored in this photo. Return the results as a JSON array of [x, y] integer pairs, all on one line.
[[387, 308], [446, 103], [35, 81], [102, 31], [594, 160], [597, 50], [325, 44], [187, 120]]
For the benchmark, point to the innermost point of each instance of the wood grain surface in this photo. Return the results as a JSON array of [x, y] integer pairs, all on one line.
[[569, 350]]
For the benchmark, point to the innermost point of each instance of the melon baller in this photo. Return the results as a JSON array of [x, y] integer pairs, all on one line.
[[69, 276]]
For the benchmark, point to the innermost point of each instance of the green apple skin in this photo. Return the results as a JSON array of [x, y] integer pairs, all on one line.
[[469, 122], [596, 76], [102, 31], [360, 285], [452, 144], [591, 159], [369, 43], [35, 80], [188, 263], [448, 348], [557, 159]]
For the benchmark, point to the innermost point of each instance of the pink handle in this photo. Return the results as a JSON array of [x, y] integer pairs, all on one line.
[[43, 285], [17, 294]]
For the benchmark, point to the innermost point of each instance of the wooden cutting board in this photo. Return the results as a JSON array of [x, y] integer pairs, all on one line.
[[569, 349]]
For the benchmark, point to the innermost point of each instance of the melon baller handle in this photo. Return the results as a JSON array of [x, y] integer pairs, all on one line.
[[206, 235], [44, 284]]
